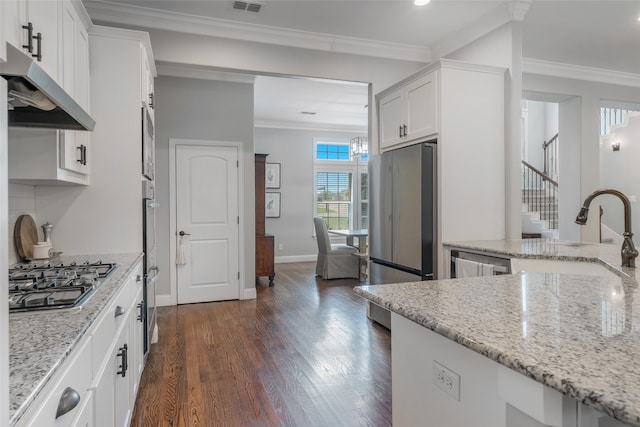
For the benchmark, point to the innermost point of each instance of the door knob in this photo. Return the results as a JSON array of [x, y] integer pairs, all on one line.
[[182, 233]]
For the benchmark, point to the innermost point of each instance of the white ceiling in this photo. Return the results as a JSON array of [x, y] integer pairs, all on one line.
[[603, 34]]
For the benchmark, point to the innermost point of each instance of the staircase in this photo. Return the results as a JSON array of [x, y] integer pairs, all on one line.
[[539, 203]]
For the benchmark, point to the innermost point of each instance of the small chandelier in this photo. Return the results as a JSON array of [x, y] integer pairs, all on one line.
[[359, 145]]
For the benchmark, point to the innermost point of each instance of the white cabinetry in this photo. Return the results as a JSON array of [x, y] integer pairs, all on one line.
[[74, 49], [47, 156], [461, 107], [117, 355], [65, 399], [43, 18], [410, 112]]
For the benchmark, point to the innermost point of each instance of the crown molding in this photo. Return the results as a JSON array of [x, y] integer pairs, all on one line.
[[310, 126], [579, 72], [174, 69], [171, 21]]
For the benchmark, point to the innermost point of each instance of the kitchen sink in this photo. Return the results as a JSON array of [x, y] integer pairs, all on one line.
[[566, 267]]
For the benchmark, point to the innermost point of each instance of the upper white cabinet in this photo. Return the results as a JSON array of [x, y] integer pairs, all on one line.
[[460, 106], [74, 49], [39, 156], [147, 76], [410, 112], [33, 25]]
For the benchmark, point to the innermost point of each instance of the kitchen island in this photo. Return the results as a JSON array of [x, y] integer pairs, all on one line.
[[524, 349], [41, 342]]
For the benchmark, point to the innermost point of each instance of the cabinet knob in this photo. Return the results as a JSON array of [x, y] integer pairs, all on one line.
[[138, 278], [69, 400], [119, 311]]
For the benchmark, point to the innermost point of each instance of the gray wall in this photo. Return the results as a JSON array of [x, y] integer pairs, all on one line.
[[293, 149], [206, 110]]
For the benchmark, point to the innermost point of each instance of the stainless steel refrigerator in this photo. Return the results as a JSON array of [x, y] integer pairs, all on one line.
[[402, 223]]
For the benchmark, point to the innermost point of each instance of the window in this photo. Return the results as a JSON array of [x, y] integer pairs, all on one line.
[[337, 174]]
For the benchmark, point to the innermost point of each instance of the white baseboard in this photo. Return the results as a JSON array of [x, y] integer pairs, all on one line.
[[295, 258], [164, 300], [250, 294]]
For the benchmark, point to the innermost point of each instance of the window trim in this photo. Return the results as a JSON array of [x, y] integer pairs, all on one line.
[[354, 166]]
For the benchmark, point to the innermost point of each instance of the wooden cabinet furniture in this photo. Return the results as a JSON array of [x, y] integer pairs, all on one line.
[[264, 242]]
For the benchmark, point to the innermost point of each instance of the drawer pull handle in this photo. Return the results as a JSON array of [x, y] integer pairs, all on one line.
[[123, 354], [138, 278], [69, 400], [120, 311], [141, 311]]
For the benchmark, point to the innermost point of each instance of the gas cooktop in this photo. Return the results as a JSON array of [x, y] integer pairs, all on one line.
[[47, 286]]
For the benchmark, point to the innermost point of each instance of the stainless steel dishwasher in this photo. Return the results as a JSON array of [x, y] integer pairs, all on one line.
[[501, 265]]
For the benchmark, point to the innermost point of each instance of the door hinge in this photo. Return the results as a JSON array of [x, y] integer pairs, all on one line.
[[238, 219], [238, 275], [237, 163]]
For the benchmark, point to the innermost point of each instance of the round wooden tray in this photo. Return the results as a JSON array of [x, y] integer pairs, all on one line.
[[25, 235]]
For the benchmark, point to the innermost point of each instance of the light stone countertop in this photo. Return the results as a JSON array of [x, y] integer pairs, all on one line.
[[40, 342], [579, 335]]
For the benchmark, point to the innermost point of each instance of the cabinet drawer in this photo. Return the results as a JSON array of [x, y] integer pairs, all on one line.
[[76, 376], [108, 324]]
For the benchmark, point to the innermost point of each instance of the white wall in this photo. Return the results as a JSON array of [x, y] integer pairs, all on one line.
[[619, 170], [207, 110], [503, 48], [22, 201], [264, 59], [293, 149], [542, 125], [591, 95]]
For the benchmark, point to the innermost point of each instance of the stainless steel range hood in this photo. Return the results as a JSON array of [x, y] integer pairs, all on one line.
[[38, 101]]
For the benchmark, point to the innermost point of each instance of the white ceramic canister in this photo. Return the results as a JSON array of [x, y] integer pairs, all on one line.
[[42, 250]]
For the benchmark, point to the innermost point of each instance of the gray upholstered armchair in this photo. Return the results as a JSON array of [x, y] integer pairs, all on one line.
[[334, 261]]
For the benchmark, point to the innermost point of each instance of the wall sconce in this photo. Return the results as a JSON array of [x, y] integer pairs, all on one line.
[[359, 145], [615, 146]]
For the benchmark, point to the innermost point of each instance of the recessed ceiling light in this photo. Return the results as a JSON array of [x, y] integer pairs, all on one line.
[[309, 113], [421, 2]]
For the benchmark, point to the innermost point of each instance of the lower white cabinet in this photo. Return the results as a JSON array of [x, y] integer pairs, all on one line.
[[65, 399], [98, 383], [118, 355]]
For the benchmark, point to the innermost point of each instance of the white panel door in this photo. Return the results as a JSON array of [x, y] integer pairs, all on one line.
[[207, 212]]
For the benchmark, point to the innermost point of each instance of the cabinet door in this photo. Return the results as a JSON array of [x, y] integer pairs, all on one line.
[[136, 350], [74, 151], [44, 14], [14, 16], [122, 374], [422, 107], [104, 393], [390, 112], [85, 416]]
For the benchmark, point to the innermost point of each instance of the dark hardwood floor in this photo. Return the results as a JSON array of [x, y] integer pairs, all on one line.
[[302, 354]]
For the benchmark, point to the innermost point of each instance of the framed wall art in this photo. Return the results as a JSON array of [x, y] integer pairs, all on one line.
[[272, 205], [272, 175]]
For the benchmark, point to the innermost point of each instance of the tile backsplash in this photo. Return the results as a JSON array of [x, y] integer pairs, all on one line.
[[22, 200]]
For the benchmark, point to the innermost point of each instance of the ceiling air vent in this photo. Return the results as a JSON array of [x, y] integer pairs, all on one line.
[[246, 6]]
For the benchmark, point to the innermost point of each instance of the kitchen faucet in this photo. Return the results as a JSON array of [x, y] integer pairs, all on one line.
[[628, 251]]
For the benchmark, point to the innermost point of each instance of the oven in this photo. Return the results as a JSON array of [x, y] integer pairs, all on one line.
[[150, 266], [148, 156]]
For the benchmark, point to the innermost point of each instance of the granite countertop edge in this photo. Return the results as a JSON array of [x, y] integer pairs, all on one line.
[[530, 369], [26, 382]]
